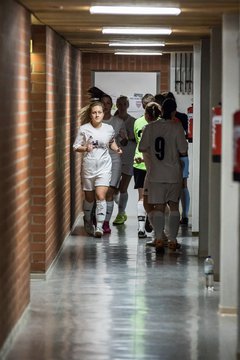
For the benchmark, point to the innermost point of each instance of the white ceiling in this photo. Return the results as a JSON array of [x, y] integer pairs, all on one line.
[[72, 19]]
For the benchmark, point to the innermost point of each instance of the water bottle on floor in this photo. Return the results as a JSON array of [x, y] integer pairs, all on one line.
[[209, 273]]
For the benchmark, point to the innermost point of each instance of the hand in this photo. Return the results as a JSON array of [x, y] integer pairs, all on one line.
[[138, 160], [119, 151], [123, 133], [89, 147]]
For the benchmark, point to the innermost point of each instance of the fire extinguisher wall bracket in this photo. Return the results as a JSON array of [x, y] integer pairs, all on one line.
[[217, 133], [236, 146]]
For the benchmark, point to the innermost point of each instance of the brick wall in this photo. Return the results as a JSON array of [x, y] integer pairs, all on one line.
[[56, 196], [14, 164], [111, 62]]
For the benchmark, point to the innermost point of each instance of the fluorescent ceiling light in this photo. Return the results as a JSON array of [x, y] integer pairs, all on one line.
[[136, 30], [135, 10], [135, 44], [137, 53]]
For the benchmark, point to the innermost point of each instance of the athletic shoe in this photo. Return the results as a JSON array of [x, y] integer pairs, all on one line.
[[120, 219], [151, 243], [148, 226], [106, 227], [174, 245], [165, 238], [184, 221], [159, 246], [142, 234], [98, 232], [88, 227]]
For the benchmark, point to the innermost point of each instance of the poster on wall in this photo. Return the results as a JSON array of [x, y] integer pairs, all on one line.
[[134, 85]]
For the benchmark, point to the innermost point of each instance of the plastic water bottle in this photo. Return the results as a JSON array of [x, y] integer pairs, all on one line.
[[209, 273]]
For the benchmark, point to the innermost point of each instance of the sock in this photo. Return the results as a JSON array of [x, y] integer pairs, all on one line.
[[141, 216], [101, 207], [157, 219], [174, 218], [166, 227], [116, 198], [185, 201], [122, 203], [87, 209], [110, 205]]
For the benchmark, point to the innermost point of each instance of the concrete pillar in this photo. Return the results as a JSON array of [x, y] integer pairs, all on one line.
[[204, 148], [229, 217], [215, 167]]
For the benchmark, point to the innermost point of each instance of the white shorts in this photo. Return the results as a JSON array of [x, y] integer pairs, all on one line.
[[161, 193], [116, 172], [90, 184], [127, 169]]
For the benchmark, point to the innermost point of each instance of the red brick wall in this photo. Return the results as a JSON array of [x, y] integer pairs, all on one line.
[[14, 164], [111, 62], [55, 172]]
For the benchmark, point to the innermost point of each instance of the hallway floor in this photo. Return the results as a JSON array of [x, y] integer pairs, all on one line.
[[115, 299]]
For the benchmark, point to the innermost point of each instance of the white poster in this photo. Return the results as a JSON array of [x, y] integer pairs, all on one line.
[[134, 85]]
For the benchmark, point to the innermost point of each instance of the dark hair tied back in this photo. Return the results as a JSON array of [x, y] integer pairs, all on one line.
[[168, 106]]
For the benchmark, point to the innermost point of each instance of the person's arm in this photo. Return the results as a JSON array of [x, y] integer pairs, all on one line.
[[83, 148], [113, 146], [182, 143], [123, 138], [80, 144], [144, 142]]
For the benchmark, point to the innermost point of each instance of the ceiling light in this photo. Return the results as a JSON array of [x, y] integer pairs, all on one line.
[[134, 10], [137, 53], [136, 30], [135, 44]]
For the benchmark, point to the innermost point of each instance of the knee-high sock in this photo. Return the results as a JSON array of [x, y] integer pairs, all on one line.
[[141, 216], [174, 218], [110, 205], [157, 219], [166, 227], [87, 209], [101, 208], [185, 201], [123, 199]]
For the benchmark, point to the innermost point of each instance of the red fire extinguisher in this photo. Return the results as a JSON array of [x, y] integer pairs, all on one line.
[[190, 123], [236, 146], [217, 133]]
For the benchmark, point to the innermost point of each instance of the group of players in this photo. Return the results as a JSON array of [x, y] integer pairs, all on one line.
[[152, 148]]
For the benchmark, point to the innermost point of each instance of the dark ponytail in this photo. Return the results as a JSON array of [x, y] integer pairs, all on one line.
[[168, 106]]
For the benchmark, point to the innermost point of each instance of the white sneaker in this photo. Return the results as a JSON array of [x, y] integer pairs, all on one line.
[[98, 232]]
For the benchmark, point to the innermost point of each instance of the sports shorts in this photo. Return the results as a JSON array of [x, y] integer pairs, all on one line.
[[116, 172], [162, 193], [90, 184], [139, 177], [127, 169]]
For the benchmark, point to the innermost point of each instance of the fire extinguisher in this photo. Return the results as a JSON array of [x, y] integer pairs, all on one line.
[[190, 123], [217, 133], [236, 146]]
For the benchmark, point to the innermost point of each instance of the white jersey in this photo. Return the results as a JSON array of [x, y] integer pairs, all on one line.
[[162, 141], [98, 160]]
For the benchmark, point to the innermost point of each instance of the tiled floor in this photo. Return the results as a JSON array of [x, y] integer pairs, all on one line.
[[115, 299]]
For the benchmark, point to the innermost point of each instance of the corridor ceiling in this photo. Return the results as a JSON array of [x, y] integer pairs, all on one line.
[[72, 20]]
